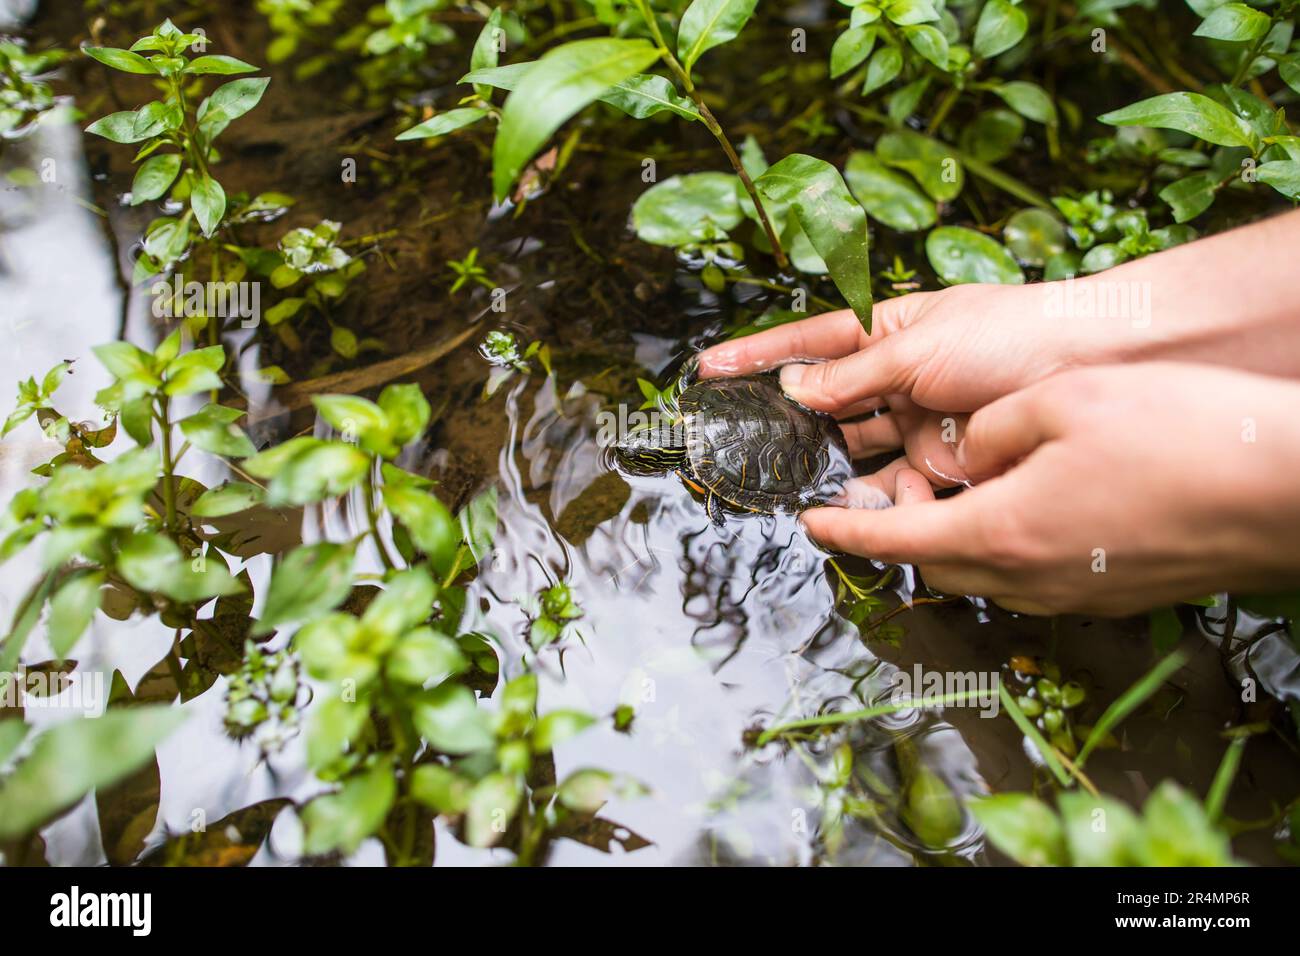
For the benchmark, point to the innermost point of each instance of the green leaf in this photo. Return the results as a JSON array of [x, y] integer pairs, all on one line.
[[71, 610], [154, 564], [440, 788], [307, 582], [78, 756], [1022, 827], [1029, 100], [851, 48], [406, 600], [887, 195], [154, 177], [213, 429], [1177, 832], [1034, 236], [931, 163], [930, 43], [1000, 27], [1288, 67], [831, 218], [992, 135], [562, 82], [487, 50], [227, 499], [444, 123], [1282, 175], [645, 94], [219, 65], [586, 790], [491, 806], [1190, 113], [1234, 21], [338, 822], [506, 77], [118, 127], [710, 23], [1191, 195], [407, 410], [478, 522], [428, 521], [696, 207], [1129, 701], [208, 200], [909, 12], [1099, 831], [423, 654], [123, 60], [448, 717], [884, 66], [961, 255], [360, 419], [229, 102], [558, 726]]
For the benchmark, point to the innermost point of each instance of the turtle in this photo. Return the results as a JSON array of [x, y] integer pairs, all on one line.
[[743, 444]]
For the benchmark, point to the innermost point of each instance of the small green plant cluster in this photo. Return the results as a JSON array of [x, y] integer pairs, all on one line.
[[1048, 701], [25, 93]]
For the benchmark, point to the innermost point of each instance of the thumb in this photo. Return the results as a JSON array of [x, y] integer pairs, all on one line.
[[885, 367], [1002, 433]]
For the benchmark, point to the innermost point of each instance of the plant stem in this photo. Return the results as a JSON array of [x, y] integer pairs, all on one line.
[[711, 123], [168, 465], [373, 517]]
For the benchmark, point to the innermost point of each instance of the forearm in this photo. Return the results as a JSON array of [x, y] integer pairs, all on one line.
[[1230, 299]]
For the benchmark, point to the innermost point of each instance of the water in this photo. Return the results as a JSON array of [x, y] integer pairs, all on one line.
[[709, 633]]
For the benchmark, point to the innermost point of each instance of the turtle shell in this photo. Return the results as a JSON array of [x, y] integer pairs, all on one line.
[[759, 450]]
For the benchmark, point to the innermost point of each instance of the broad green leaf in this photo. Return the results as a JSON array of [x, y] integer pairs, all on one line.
[[359, 419], [586, 790], [428, 521], [909, 12], [487, 49], [444, 123], [118, 127], [478, 523], [931, 163], [407, 409], [1234, 21], [1288, 67], [227, 499], [884, 66], [1282, 175], [229, 102], [423, 654], [930, 808], [123, 60], [154, 177], [1191, 113], [558, 726], [307, 582], [1034, 236], [208, 200], [506, 77], [710, 23], [219, 65], [406, 600], [449, 718], [1029, 100], [831, 218], [1191, 195], [77, 756], [491, 806], [696, 207], [930, 43], [1177, 832], [338, 822], [992, 135], [961, 255], [213, 429], [1099, 831], [440, 788], [562, 82], [645, 94], [1025, 829], [71, 610], [1000, 27], [887, 195], [851, 48], [154, 564]]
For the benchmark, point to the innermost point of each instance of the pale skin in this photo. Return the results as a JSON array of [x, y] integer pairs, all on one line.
[[1161, 444]]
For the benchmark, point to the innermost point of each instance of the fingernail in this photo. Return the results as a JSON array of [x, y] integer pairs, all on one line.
[[791, 376], [960, 454]]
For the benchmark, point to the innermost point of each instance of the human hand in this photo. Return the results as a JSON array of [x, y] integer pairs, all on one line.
[[929, 355], [1105, 490]]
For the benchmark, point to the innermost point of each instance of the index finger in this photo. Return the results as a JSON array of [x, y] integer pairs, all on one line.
[[945, 530], [828, 336]]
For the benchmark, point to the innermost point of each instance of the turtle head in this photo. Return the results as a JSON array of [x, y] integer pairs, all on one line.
[[651, 450]]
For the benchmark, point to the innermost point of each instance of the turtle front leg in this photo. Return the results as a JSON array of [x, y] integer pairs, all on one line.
[[713, 508]]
